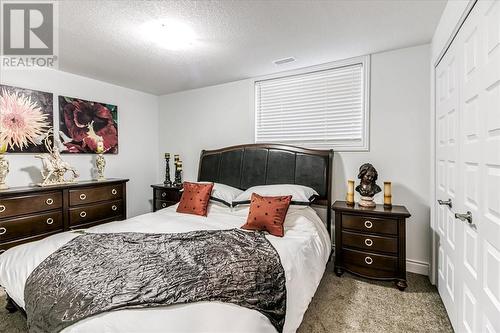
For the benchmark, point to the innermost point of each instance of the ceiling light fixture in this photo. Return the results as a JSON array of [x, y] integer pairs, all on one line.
[[169, 34]]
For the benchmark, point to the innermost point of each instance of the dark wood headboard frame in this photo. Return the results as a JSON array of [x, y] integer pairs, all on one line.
[[244, 166]]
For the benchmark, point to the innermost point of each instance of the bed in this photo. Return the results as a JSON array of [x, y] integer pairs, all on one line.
[[303, 251]]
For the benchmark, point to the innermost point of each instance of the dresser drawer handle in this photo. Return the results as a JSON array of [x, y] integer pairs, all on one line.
[[83, 196], [114, 191], [114, 207], [49, 201], [2, 231], [50, 220], [368, 224], [368, 242], [163, 194], [2, 208], [163, 205], [83, 214], [368, 260]]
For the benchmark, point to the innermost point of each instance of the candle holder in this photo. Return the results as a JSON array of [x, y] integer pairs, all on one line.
[[100, 162], [178, 171], [4, 167], [350, 193], [387, 195], [167, 181]]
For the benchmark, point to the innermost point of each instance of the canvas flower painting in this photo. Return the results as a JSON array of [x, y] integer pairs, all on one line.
[[26, 116], [82, 124]]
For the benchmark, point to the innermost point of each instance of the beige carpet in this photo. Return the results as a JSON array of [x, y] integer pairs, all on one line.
[[346, 304]]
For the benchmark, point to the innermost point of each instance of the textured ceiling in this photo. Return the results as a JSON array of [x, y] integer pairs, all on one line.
[[236, 39]]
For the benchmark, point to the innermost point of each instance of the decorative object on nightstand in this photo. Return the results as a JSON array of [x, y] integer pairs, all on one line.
[[54, 168], [387, 195], [178, 171], [350, 192], [371, 242], [164, 196], [367, 187], [167, 181], [4, 167], [100, 162]]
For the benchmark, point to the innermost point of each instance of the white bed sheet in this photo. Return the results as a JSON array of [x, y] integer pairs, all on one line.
[[304, 252]]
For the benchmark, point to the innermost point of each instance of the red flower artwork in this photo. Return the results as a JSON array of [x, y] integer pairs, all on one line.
[[83, 124]]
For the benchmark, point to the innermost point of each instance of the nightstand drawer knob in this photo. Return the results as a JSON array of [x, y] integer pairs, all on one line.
[[3, 231], [83, 214], [368, 224], [50, 220], [368, 242], [163, 194], [163, 205], [49, 201], [114, 191], [83, 196], [114, 207], [368, 260]]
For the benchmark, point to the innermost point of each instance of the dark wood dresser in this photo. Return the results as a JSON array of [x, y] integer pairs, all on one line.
[[164, 196], [371, 242], [32, 213]]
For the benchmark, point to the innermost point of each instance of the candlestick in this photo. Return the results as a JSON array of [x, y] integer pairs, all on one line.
[[387, 195], [178, 171], [350, 192], [167, 181]]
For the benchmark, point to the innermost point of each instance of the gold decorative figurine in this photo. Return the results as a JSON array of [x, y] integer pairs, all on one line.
[[100, 162], [4, 167]]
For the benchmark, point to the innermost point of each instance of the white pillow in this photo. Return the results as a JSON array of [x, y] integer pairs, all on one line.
[[224, 193], [301, 195]]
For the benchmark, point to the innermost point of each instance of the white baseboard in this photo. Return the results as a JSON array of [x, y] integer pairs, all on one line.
[[416, 266]]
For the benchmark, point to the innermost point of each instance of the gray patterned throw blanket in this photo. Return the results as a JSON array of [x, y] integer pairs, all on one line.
[[95, 273]]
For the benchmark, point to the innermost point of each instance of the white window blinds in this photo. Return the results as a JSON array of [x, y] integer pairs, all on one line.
[[324, 109]]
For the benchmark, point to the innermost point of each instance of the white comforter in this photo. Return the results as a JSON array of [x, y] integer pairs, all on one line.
[[304, 252]]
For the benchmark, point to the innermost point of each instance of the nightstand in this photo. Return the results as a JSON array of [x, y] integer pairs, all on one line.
[[371, 242], [164, 196]]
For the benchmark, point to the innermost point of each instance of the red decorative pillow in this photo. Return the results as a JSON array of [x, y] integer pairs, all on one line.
[[194, 199], [268, 214]]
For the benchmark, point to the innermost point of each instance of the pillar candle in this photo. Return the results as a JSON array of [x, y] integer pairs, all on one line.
[[350, 192], [387, 194]]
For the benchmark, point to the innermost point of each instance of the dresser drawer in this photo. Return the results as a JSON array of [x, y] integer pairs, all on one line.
[[370, 242], [30, 204], [369, 260], [86, 195], [93, 213], [7, 245], [167, 195], [370, 224], [21, 227]]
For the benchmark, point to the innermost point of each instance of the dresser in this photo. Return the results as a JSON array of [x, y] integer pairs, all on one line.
[[32, 213], [164, 196], [371, 242]]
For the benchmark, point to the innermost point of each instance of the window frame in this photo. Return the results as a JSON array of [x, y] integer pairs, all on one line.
[[364, 145]]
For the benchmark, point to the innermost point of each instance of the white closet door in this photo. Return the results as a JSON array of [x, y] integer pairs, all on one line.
[[474, 304], [448, 185]]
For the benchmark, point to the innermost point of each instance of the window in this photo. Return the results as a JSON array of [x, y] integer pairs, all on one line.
[[324, 107]]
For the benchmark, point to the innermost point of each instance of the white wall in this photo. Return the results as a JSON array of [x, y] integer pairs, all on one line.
[[137, 133], [223, 115]]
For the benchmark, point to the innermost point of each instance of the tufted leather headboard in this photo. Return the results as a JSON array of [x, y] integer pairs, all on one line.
[[249, 165]]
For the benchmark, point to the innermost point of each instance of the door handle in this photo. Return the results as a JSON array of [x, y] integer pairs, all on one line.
[[464, 217], [446, 203]]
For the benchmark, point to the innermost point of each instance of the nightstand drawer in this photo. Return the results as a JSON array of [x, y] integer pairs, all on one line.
[[370, 242], [370, 224], [370, 260], [167, 195], [160, 204]]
